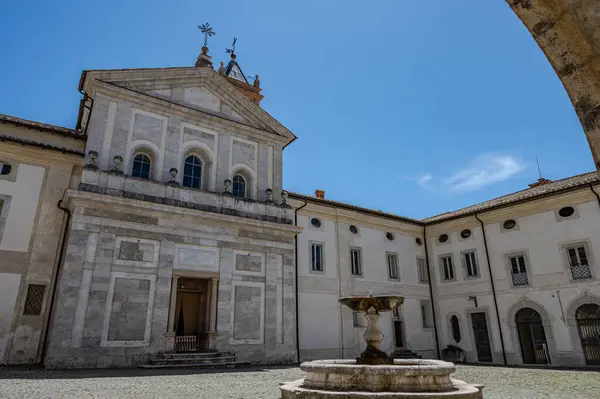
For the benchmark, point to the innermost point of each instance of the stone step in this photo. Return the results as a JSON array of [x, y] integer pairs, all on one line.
[[404, 354], [195, 360], [196, 365], [187, 355]]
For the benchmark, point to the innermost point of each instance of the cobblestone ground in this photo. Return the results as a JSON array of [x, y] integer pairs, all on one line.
[[501, 383]]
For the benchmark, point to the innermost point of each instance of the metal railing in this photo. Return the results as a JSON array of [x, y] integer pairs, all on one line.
[[191, 343]]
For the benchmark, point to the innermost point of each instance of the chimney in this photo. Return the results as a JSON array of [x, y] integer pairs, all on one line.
[[541, 181], [320, 194]]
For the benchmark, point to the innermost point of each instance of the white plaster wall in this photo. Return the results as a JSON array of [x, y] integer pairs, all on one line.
[[319, 291], [25, 193], [541, 236], [9, 287], [319, 329]]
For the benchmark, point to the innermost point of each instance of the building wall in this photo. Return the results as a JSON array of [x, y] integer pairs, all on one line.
[[124, 126], [541, 235], [326, 328], [30, 234]]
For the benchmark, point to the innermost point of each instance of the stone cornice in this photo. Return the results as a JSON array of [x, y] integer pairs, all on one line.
[[72, 197], [159, 106]]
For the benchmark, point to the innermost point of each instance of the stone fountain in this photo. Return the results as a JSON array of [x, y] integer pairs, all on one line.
[[374, 374]]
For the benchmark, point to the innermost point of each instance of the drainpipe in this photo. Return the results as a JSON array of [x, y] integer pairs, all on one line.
[[53, 298], [296, 274], [595, 193], [487, 256], [435, 328]]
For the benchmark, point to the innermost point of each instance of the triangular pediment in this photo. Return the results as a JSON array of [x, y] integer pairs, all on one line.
[[201, 89]]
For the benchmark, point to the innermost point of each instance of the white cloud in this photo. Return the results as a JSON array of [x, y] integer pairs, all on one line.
[[424, 180], [485, 169]]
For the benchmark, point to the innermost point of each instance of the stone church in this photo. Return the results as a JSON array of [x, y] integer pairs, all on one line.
[[160, 227]]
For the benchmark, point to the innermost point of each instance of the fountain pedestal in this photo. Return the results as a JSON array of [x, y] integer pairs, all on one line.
[[375, 375]]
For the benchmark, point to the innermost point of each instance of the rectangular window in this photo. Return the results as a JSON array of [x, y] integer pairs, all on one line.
[[518, 270], [316, 258], [356, 261], [578, 262], [447, 268], [422, 269], [34, 300], [426, 316], [470, 264], [396, 312], [392, 264]]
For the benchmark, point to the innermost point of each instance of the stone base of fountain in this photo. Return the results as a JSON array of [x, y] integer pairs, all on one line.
[[406, 379]]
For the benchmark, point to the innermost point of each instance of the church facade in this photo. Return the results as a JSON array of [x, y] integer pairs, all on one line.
[[161, 225]]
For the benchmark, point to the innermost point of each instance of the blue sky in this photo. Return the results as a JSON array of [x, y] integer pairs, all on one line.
[[414, 108]]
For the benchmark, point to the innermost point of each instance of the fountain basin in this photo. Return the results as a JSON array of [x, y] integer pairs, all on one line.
[[406, 378], [405, 375]]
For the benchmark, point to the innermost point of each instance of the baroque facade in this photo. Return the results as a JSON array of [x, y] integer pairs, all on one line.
[[160, 225]]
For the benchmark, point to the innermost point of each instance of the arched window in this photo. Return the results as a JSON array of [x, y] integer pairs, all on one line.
[[239, 186], [192, 172], [455, 327], [141, 166]]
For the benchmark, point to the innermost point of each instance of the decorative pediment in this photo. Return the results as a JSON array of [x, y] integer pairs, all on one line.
[[200, 89]]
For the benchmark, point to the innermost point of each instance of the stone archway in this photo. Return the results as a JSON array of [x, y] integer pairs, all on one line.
[[571, 316], [525, 303], [566, 31]]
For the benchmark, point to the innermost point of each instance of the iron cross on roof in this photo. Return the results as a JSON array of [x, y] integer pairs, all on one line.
[[232, 49], [208, 32]]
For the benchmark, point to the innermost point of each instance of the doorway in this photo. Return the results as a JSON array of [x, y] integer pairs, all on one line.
[[588, 324], [532, 337], [190, 315], [482, 338]]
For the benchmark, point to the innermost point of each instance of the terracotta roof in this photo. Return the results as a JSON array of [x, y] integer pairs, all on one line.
[[530, 193], [355, 208], [41, 126], [554, 187]]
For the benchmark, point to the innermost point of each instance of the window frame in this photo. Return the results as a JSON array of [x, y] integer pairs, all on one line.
[[567, 261], [393, 255], [310, 255], [201, 175], [515, 254], [474, 259], [575, 214], [426, 314], [360, 262], [442, 267], [150, 163], [423, 276], [356, 322], [233, 183]]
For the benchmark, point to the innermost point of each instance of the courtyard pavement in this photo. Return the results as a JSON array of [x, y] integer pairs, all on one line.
[[500, 383]]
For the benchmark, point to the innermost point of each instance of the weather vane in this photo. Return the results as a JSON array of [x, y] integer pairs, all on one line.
[[232, 49], [208, 32]]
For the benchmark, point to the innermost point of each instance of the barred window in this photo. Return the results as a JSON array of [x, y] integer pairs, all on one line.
[[392, 264], [578, 262], [34, 300], [518, 270], [356, 261]]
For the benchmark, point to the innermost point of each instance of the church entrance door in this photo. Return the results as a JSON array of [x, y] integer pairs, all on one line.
[[191, 315]]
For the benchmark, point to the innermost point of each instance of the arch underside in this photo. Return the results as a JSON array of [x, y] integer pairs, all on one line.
[[566, 31]]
